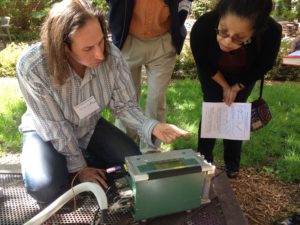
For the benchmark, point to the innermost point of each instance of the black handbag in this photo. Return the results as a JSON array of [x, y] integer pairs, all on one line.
[[260, 111]]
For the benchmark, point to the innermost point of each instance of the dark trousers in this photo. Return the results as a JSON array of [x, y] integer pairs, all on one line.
[[45, 171], [213, 92]]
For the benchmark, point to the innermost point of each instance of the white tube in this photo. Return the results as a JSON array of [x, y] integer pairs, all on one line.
[[58, 203]]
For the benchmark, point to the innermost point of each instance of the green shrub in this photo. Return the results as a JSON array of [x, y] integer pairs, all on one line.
[[200, 7], [102, 4], [9, 57], [185, 66], [286, 9], [25, 16], [280, 71]]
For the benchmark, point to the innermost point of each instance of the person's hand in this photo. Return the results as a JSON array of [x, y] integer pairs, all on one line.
[[168, 132], [294, 43], [230, 93], [94, 175]]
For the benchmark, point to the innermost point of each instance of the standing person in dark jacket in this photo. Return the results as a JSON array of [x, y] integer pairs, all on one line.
[[149, 33], [234, 45]]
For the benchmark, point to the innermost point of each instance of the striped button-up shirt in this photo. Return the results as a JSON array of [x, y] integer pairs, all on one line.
[[50, 108]]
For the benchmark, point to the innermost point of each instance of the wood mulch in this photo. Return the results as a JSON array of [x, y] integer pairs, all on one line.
[[264, 199]]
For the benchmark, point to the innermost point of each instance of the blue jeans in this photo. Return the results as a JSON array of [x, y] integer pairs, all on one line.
[[45, 170]]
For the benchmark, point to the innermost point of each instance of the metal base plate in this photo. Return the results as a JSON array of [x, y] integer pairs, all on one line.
[[17, 207]]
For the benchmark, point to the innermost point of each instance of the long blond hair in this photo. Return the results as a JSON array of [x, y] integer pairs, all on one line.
[[63, 20]]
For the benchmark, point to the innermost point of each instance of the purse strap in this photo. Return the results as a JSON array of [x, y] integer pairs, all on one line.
[[261, 87], [258, 42]]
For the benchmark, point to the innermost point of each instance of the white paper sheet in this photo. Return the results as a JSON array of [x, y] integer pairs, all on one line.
[[226, 122]]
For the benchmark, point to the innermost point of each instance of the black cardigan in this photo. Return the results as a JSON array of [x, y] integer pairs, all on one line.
[[261, 53]]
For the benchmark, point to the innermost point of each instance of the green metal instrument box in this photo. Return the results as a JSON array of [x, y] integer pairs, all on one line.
[[168, 182]]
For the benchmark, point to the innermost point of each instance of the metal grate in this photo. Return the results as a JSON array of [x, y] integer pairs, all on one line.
[[17, 207]]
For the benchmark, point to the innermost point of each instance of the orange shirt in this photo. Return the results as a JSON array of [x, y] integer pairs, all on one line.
[[150, 19]]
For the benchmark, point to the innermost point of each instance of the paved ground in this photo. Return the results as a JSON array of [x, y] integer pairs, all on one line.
[[10, 163]]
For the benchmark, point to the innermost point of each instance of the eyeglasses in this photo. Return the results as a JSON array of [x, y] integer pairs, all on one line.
[[234, 39]]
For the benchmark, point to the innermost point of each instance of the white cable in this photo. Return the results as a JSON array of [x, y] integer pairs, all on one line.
[[58, 203]]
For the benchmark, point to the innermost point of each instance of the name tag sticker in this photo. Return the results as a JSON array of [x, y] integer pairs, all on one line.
[[86, 107]]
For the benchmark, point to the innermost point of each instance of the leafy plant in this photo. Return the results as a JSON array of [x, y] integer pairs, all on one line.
[[200, 7], [9, 57], [286, 9], [25, 15], [280, 71], [102, 4], [185, 66]]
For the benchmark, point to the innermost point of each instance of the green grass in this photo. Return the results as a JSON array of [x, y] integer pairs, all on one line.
[[11, 109], [274, 149]]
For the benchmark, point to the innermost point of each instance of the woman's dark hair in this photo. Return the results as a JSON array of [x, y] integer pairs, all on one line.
[[258, 11]]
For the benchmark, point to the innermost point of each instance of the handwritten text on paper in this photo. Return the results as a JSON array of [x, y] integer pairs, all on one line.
[[226, 122]]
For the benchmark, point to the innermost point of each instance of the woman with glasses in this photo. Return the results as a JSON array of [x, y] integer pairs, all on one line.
[[234, 45]]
